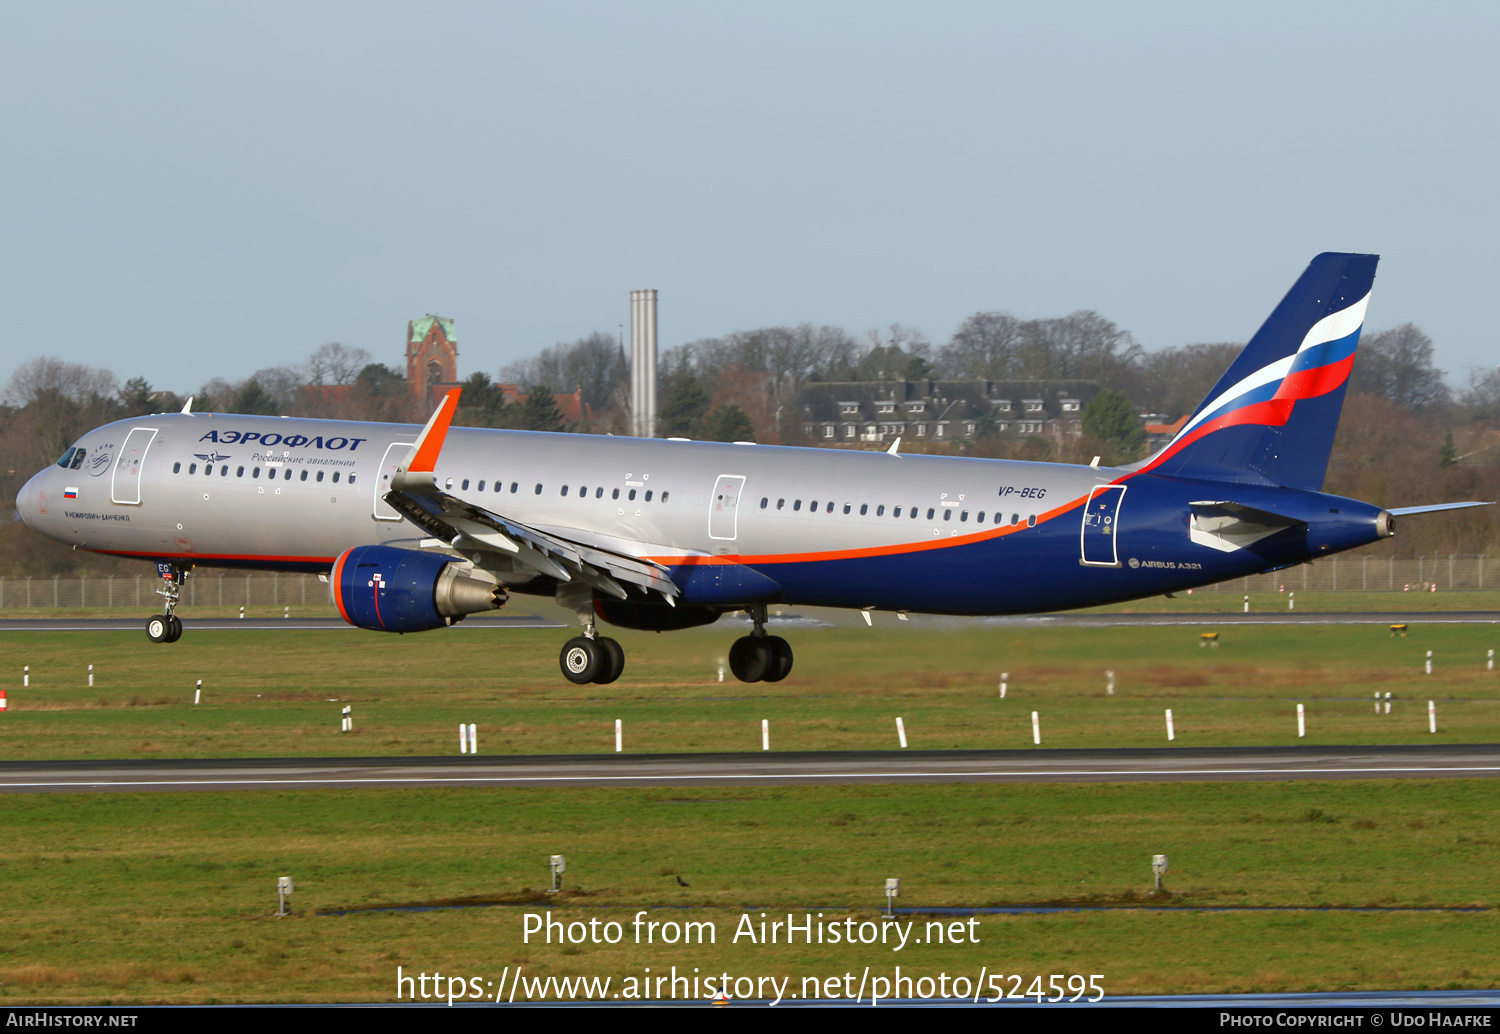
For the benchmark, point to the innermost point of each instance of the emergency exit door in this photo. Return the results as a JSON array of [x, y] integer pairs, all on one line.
[[1101, 525]]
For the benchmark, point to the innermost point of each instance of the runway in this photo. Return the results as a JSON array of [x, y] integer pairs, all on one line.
[[758, 769], [192, 624]]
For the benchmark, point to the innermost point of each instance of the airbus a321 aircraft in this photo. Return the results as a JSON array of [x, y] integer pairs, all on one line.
[[415, 528]]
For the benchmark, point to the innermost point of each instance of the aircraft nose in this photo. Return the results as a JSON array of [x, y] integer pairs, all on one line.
[[29, 501]]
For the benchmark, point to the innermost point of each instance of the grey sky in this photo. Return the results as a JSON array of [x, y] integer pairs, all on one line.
[[205, 189]]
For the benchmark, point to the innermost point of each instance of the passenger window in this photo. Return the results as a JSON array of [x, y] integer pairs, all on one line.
[[615, 494], [224, 471], [880, 511], [632, 493], [1031, 521], [947, 515], [208, 469], [896, 512], [830, 506], [481, 484], [648, 495], [177, 468], [192, 468], [780, 503], [963, 517], [499, 485], [564, 490], [351, 477], [466, 484], [304, 473], [538, 489], [288, 475], [764, 502], [979, 517], [864, 509], [255, 472], [797, 505], [846, 507], [930, 512], [664, 496], [335, 477], [320, 475], [914, 513], [813, 508], [583, 491], [514, 487], [1015, 518], [599, 492]]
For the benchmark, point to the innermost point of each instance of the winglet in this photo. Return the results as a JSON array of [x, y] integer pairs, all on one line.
[[430, 441]]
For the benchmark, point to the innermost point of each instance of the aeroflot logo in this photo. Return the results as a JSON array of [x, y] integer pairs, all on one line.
[[291, 441]]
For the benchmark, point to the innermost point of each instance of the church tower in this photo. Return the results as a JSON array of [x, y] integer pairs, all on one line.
[[431, 358]]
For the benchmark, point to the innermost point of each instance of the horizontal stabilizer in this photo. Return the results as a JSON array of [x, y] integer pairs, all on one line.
[[1229, 526], [1407, 511], [1241, 512]]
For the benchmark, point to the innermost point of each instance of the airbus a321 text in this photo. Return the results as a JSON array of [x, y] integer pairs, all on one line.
[[415, 528]]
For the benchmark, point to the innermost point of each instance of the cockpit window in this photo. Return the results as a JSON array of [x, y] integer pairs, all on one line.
[[66, 462], [78, 455]]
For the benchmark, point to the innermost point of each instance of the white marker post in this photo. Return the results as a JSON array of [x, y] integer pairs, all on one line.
[[618, 742], [1036, 729], [1171, 735], [1301, 722], [473, 736], [1109, 683], [1387, 703], [765, 734], [286, 612], [26, 676], [198, 693], [1291, 601], [1377, 701], [1490, 666], [1247, 604], [91, 676], [721, 671], [463, 738], [1431, 717], [348, 723], [901, 732], [1004, 678], [242, 613], [1429, 662]]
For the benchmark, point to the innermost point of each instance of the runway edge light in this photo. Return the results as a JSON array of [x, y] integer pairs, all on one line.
[[892, 892], [283, 891], [1158, 867]]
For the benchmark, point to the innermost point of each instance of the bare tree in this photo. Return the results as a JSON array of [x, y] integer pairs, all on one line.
[[334, 363], [1397, 364], [45, 376]]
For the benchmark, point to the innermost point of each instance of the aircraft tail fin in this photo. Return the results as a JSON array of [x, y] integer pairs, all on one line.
[[1272, 416]]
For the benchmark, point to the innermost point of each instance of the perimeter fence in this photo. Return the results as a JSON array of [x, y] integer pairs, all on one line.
[[1448, 573]]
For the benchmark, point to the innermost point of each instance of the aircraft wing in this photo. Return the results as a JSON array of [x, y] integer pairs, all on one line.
[[469, 528]]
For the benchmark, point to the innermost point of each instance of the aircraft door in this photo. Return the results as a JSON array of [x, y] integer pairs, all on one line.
[[724, 507], [1101, 520], [395, 455], [125, 482]]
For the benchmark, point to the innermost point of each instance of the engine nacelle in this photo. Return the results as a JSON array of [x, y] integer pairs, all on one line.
[[650, 616], [405, 590]]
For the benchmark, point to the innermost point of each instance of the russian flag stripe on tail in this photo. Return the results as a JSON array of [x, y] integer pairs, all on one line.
[[1272, 416]]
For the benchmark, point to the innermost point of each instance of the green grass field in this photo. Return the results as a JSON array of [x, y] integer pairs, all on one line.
[[166, 897], [275, 693]]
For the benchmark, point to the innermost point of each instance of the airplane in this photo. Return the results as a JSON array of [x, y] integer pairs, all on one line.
[[416, 528]]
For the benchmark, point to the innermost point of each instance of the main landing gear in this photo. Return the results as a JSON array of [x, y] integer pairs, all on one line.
[[758, 657], [167, 626], [591, 658]]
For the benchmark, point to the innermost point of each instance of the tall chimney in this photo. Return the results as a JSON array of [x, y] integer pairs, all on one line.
[[643, 363]]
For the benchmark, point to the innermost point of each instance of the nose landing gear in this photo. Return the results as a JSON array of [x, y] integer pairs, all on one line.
[[758, 657], [167, 627]]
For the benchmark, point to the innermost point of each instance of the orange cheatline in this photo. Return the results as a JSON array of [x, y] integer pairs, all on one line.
[[430, 442]]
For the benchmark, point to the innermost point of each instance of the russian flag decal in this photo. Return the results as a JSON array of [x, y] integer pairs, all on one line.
[[70, 493]]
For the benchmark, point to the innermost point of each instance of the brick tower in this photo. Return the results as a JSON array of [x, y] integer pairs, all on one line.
[[431, 358]]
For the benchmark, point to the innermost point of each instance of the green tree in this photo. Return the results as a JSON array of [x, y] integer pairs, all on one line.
[[1448, 454], [253, 398], [1112, 419], [683, 404], [539, 411], [728, 423]]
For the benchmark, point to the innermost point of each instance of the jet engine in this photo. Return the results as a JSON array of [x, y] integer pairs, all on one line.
[[405, 590]]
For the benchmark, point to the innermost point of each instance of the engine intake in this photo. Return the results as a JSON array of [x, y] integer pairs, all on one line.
[[389, 589]]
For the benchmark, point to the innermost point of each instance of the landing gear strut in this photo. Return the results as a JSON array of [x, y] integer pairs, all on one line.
[[590, 657], [167, 627], [758, 657]]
